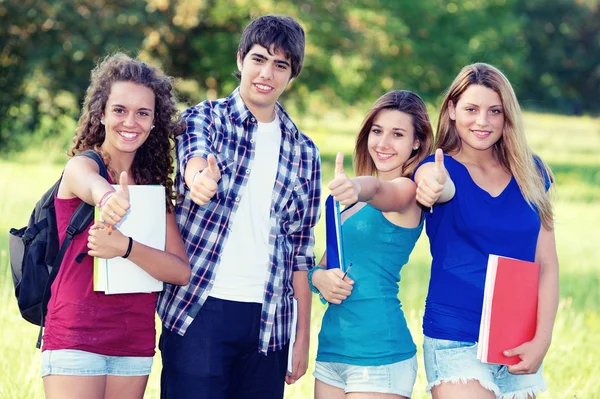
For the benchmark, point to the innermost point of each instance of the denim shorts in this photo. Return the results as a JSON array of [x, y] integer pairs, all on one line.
[[75, 362], [396, 378], [456, 361]]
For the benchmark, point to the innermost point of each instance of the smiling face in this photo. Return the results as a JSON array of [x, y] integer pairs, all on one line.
[[128, 117], [264, 77], [391, 142], [479, 118]]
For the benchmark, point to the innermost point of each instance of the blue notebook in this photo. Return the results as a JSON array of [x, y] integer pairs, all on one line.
[[333, 230]]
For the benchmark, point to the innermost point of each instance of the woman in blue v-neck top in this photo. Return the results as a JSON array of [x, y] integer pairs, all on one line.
[[491, 197]]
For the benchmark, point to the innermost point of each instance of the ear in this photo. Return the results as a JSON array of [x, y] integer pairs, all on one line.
[[416, 144], [239, 61], [451, 110]]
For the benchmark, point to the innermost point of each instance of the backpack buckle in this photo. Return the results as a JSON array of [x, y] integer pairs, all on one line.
[[71, 231]]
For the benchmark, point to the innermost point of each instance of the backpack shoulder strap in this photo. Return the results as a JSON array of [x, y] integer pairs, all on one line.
[[84, 213], [98, 158]]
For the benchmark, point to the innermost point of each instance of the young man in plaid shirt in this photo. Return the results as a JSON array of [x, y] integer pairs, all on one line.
[[251, 185]]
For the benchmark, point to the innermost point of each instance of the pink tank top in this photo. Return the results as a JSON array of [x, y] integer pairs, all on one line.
[[80, 318]]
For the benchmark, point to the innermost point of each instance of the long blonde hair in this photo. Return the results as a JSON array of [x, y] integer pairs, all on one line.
[[397, 100], [511, 149]]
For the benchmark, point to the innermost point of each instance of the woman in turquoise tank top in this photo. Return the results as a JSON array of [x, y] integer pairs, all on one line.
[[365, 347]]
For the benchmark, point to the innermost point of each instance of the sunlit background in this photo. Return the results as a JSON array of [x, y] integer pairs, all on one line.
[[356, 50]]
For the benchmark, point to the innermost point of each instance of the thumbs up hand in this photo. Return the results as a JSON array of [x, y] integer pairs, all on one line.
[[343, 189], [432, 184], [205, 183], [116, 204]]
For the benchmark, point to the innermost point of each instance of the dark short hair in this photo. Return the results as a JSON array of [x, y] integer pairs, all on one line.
[[281, 32]]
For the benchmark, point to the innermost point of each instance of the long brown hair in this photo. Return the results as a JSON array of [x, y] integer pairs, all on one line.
[[396, 100], [153, 162], [511, 149]]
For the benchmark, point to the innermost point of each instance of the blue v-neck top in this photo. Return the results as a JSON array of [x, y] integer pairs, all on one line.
[[462, 234]]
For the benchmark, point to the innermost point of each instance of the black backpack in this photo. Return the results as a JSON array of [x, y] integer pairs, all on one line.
[[35, 256]]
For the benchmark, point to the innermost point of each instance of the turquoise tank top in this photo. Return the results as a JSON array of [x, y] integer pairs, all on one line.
[[369, 328]]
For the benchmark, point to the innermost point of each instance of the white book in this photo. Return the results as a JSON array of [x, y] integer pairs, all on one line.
[[146, 223], [292, 334]]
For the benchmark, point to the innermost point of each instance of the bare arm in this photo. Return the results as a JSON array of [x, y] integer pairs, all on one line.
[[387, 196], [82, 179], [547, 257], [532, 353], [302, 343]]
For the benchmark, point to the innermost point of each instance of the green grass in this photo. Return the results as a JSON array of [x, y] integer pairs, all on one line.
[[570, 145]]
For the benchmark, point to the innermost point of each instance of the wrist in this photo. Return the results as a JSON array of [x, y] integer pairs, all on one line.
[[129, 246], [543, 339], [311, 272], [105, 197], [357, 189], [196, 175], [303, 335]]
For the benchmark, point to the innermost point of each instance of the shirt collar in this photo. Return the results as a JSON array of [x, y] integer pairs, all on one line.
[[241, 113]]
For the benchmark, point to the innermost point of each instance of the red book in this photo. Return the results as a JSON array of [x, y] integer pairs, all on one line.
[[509, 313]]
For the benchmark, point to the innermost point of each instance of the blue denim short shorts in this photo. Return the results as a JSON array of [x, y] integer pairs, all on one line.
[[396, 378], [456, 361], [75, 362]]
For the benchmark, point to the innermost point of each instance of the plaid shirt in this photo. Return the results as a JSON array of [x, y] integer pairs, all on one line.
[[227, 129]]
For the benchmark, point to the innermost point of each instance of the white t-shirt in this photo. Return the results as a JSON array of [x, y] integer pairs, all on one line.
[[242, 272]]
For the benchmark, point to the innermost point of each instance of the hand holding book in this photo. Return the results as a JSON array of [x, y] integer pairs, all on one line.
[[145, 222], [333, 284], [509, 313], [531, 355], [106, 242]]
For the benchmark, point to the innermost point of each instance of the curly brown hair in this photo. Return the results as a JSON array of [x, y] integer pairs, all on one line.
[[153, 162]]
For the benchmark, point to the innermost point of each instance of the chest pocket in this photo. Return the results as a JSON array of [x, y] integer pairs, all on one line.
[[226, 167], [296, 206]]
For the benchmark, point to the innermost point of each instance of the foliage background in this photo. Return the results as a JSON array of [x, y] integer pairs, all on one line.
[[356, 50], [549, 49]]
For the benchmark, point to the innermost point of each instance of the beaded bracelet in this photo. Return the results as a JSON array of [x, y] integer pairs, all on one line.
[[105, 198], [310, 283], [309, 275], [128, 248]]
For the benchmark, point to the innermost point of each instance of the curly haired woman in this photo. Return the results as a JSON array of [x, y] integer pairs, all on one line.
[[97, 345]]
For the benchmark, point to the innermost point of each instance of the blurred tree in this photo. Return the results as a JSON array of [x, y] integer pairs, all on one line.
[[356, 50], [47, 50], [563, 63]]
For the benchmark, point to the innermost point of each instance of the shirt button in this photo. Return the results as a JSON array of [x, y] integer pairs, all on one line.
[[247, 171], [212, 281], [251, 141], [237, 199], [253, 120], [296, 188]]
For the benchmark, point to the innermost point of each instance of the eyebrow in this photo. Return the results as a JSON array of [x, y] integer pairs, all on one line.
[[396, 128], [266, 59], [491, 106], [140, 109]]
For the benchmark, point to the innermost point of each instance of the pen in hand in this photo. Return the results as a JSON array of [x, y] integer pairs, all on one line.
[[347, 270]]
